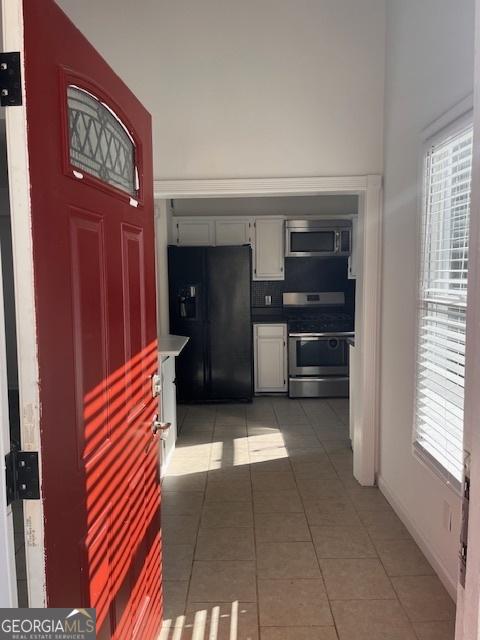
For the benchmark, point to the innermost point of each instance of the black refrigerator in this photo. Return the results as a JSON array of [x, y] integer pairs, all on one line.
[[210, 301]]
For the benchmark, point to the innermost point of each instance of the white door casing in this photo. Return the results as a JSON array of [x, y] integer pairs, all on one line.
[[468, 599], [20, 209], [8, 586], [369, 265]]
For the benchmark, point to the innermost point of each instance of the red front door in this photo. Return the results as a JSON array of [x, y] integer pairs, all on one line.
[[90, 165]]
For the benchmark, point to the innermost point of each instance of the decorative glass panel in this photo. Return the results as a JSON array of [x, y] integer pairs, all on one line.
[[99, 143]]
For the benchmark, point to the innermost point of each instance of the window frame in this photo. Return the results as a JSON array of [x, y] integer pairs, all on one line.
[[453, 122], [69, 78]]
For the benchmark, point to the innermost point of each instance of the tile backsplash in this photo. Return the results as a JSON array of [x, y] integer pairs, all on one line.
[[306, 274]]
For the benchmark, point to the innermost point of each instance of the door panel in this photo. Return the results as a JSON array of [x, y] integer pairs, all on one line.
[[91, 184]]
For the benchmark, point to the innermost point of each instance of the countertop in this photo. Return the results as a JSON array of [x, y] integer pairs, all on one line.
[[170, 345], [267, 315]]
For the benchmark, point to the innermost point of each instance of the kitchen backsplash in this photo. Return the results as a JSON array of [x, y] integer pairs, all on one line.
[[306, 274]]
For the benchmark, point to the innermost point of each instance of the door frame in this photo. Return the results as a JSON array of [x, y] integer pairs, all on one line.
[[369, 191], [468, 599], [8, 587], [28, 376]]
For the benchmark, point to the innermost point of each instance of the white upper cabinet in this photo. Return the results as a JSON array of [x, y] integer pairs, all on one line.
[[233, 231], [194, 232], [269, 253]]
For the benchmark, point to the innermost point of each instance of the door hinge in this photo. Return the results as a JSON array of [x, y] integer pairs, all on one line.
[[23, 481], [464, 528], [10, 79]]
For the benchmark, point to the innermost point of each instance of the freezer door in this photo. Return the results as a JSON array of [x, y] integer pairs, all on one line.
[[229, 333], [187, 286]]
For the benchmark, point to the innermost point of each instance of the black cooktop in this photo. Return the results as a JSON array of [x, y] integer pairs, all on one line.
[[322, 323]]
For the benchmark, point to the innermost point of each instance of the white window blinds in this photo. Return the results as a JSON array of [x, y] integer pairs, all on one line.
[[442, 304]]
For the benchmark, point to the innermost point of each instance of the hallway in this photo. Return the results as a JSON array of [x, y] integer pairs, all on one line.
[[267, 535]]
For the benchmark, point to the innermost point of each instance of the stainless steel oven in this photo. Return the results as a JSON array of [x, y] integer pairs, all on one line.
[[319, 330], [318, 238], [318, 354]]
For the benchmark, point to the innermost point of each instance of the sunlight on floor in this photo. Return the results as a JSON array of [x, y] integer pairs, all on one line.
[[267, 535]]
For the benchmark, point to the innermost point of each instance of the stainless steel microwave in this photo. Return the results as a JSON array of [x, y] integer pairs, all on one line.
[[318, 238]]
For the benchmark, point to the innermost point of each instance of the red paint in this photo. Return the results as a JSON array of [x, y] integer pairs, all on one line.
[[95, 306]]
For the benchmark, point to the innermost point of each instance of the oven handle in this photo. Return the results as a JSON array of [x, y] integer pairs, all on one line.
[[315, 336]]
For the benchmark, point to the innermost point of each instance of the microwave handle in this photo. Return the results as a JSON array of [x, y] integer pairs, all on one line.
[[338, 241]]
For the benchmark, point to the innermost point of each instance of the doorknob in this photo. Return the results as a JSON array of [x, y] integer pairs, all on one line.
[[157, 426]]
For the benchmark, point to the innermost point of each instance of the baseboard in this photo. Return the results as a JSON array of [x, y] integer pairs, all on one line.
[[402, 513]]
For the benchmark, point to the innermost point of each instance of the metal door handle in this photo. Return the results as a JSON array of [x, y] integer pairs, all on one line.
[[160, 426]]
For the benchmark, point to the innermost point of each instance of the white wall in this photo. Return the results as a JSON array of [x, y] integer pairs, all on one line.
[[284, 205], [429, 69], [250, 88]]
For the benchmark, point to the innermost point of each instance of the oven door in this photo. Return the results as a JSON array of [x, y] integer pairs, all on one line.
[[318, 355]]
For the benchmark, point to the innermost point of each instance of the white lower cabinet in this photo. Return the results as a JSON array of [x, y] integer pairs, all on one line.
[[270, 355], [168, 410]]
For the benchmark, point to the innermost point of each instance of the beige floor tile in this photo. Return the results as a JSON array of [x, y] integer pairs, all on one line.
[[181, 503], [359, 579], [187, 482], [174, 598], [281, 527], [332, 512], [274, 464], [293, 603], [273, 481], [262, 428], [180, 529], [331, 446], [342, 542], [298, 633], [301, 456], [287, 560], [384, 525], [223, 582], [241, 472], [424, 598], [371, 620], [177, 561], [277, 502], [220, 621], [435, 630], [314, 469], [318, 488], [332, 432], [403, 558], [368, 499], [225, 544], [229, 432], [229, 491], [268, 455], [227, 514]]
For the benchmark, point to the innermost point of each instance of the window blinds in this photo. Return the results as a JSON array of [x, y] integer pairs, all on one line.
[[442, 305]]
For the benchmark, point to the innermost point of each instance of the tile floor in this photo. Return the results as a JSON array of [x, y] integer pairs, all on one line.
[[267, 536]]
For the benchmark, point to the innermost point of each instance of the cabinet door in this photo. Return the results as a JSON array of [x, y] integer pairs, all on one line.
[[269, 249], [235, 231], [270, 358], [168, 409], [194, 232]]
